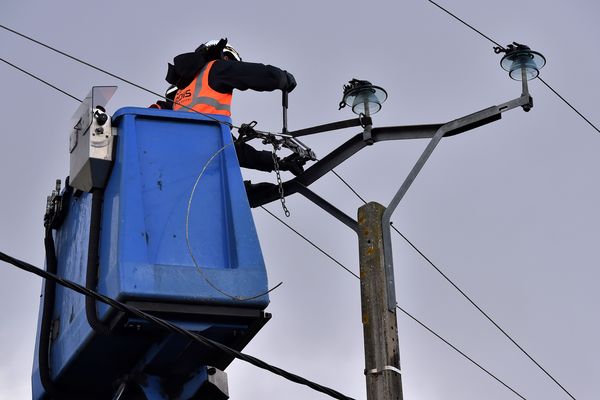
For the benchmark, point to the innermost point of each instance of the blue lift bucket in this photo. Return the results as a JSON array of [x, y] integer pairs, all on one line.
[[144, 259]]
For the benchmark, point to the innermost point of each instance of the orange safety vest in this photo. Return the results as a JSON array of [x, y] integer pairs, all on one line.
[[200, 97]]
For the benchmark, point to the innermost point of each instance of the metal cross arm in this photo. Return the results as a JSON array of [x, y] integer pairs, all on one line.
[[435, 132], [349, 123], [378, 293]]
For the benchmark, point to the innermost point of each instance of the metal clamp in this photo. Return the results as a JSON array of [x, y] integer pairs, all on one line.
[[386, 368]]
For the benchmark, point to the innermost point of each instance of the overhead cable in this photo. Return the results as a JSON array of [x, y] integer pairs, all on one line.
[[569, 104], [41, 80], [502, 47], [464, 294], [162, 96], [469, 25], [110, 74], [172, 328], [584, 118]]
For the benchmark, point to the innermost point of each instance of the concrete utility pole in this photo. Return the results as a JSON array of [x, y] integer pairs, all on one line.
[[382, 352]]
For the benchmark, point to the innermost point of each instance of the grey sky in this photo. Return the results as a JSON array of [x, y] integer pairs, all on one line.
[[509, 211]]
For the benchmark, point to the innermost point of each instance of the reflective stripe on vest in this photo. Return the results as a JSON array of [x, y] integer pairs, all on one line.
[[199, 96]]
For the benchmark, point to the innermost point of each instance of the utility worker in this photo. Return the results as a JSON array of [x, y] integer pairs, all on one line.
[[205, 80]]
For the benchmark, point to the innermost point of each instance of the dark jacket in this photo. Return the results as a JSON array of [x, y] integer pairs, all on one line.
[[227, 75], [224, 77]]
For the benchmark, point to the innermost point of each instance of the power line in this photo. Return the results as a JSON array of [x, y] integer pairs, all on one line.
[[467, 297], [65, 54], [569, 104], [459, 351], [585, 119], [502, 47], [311, 243], [233, 126], [172, 328], [80, 60], [41, 80], [398, 307], [110, 74], [349, 187], [470, 26], [481, 310]]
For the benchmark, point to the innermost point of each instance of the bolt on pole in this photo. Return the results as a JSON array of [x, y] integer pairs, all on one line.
[[382, 351]]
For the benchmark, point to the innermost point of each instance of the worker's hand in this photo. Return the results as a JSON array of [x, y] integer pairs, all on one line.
[[291, 82], [292, 163]]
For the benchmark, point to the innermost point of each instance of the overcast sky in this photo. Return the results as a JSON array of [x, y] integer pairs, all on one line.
[[509, 211]]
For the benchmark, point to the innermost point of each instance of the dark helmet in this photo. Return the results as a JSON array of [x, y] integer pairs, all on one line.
[[219, 48]]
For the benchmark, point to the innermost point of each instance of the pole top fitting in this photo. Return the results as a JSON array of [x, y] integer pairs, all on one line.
[[520, 61], [364, 97]]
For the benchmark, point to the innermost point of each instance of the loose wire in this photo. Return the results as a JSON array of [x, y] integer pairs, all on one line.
[[208, 281], [172, 327], [187, 235], [397, 306]]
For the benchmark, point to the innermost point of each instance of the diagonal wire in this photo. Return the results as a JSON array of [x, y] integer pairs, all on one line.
[[397, 306], [569, 104], [349, 187], [467, 297], [469, 25], [459, 351], [80, 61], [582, 116], [311, 243], [543, 81], [40, 79], [65, 54], [172, 327], [54, 49]]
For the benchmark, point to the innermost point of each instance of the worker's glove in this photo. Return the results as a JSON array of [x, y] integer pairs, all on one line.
[[292, 163], [291, 82]]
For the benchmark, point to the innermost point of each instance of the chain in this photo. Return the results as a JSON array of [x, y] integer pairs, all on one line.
[[279, 183]]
